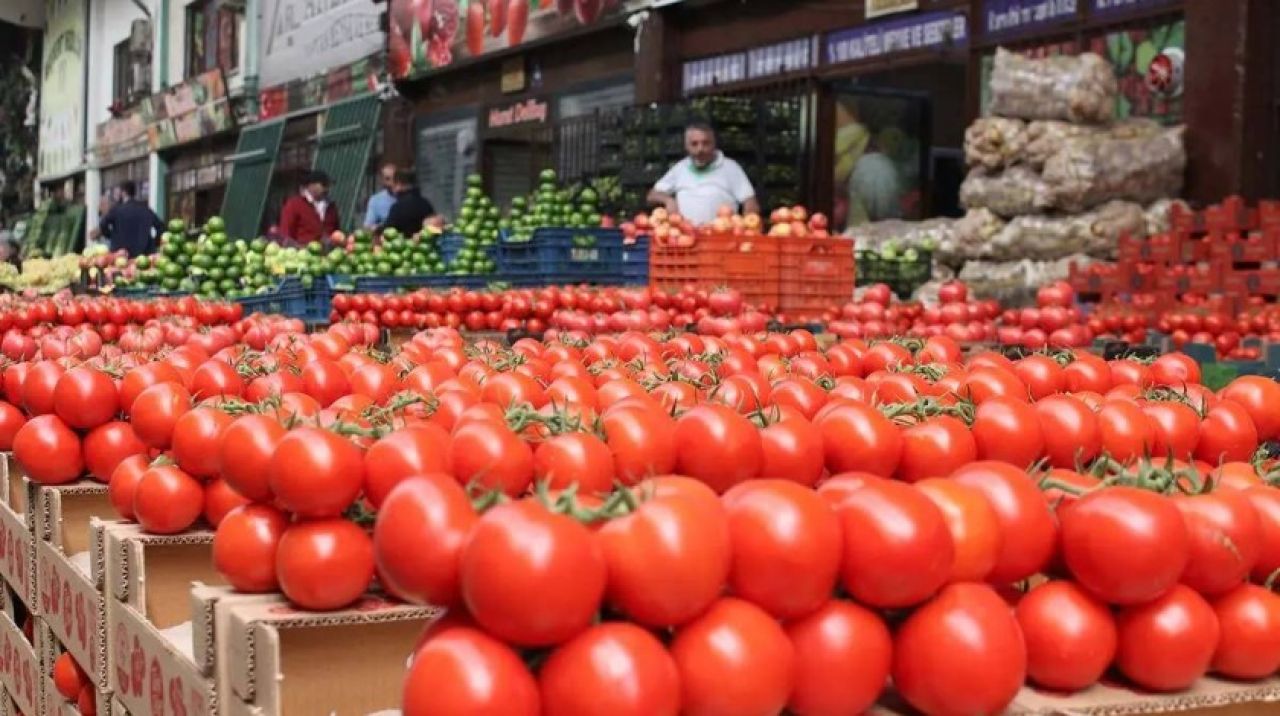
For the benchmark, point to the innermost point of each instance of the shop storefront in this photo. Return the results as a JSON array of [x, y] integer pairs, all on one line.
[[511, 103], [61, 161]]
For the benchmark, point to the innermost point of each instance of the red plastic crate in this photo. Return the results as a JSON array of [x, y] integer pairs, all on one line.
[[1269, 215], [816, 275], [1099, 278], [1255, 282], [1233, 247], [1157, 248], [1231, 216], [749, 264], [1199, 278]]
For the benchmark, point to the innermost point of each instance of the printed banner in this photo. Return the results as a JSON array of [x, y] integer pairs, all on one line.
[[335, 85], [195, 108], [62, 85], [301, 37], [1110, 7], [1007, 17], [881, 39]]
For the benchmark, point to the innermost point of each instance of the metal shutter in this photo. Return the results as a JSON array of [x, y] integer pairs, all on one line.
[[251, 169], [346, 140]]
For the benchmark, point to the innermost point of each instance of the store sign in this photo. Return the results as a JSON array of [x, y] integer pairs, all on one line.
[[1112, 7], [196, 108], [530, 111], [62, 85], [430, 35], [780, 59], [335, 85], [880, 8], [714, 71], [926, 31], [1005, 17], [302, 37]]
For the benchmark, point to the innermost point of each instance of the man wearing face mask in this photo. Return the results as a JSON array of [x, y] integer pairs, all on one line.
[[698, 185]]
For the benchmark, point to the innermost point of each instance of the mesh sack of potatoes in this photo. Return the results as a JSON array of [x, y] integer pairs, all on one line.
[[994, 142], [1015, 282], [926, 235], [1045, 138], [1047, 238], [1015, 191], [970, 237], [1092, 170], [1080, 88]]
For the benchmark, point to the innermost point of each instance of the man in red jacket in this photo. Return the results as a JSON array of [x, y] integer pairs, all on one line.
[[309, 215]]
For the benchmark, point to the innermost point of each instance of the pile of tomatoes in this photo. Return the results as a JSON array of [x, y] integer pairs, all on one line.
[[684, 523]]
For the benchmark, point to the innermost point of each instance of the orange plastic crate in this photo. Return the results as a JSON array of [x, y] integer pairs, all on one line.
[[749, 264], [817, 275]]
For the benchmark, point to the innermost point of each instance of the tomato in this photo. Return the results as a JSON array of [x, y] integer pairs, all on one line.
[[216, 377], [1041, 374], [897, 547], [324, 380], [106, 445], [413, 450], [421, 528], [962, 653], [1087, 373], [315, 473], [1127, 432], [219, 500], [197, 436], [155, 413], [934, 448], [38, 387], [1176, 427], [1175, 370], [1235, 476], [734, 659], [520, 549], [143, 377], [1124, 545], [244, 455], [1168, 643], [1070, 636], [984, 383], [642, 440], [785, 543], [1125, 371], [85, 398], [1259, 396], [611, 668], [11, 420], [324, 564], [511, 389], [718, 446], [68, 679], [974, 527], [1226, 539], [799, 393], [123, 484], [1027, 529], [577, 458], [1266, 502], [1008, 430], [48, 451], [858, 437], [670, 558], [167, 500], [843, 656], [1249, 638], [1070, 429], [1227, 434], [489, 454], [244, 548], [460, 671], [792, 450]]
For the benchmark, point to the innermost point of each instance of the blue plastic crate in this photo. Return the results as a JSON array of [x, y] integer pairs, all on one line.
[[391, 284], [635, 262], [286, 299], [552, 257], [451, 244]]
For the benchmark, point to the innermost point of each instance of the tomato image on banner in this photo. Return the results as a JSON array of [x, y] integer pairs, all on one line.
[[429, 34]]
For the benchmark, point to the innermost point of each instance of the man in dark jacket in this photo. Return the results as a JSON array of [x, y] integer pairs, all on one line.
[[131, 224], [411, 209]]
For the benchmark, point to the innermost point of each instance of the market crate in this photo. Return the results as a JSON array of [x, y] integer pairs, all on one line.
[[1255, 248], [902, 274], [1255, 282], [20, 668], [748, 264], [635, 262], [1192, 278], [48, 649], [1231, 216], [1157, 248], [286, 299], [17, 543], [816, 276], [563, 256], [1099, 278]]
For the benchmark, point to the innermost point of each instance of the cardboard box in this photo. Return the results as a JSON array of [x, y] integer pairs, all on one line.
[[49, 648], [69, 567], [17, 553], [20, 671], [273, 659], [159, 627], [13, 488]]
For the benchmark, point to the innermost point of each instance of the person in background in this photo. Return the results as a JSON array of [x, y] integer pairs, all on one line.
[[698, 185], [104, 206], [309, 215], [10, 252], [131, 225], [380, 204], [411, 209]]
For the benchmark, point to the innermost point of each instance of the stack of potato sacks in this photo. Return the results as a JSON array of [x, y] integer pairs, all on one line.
[[1053, 175]]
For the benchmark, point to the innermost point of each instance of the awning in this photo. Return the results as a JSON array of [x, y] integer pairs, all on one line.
[[251, 169], [342, 152]]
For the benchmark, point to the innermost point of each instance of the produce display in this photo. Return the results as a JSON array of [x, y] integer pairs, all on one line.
[[552, 206], [1076, 88]]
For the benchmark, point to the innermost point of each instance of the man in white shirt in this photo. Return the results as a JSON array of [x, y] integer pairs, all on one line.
[[698, 185]]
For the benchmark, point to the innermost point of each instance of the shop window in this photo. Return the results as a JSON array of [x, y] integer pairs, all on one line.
[[214, 29], [123, 87]]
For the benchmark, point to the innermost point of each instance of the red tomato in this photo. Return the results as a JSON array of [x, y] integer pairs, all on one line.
[[244, 548], [734, 659], [1177, 429], [324, 564], [155, 413], [614, 668], [124, 484], [1127, 432], [418, 538], [1227, 434], [1042, 375], [961, 653], [413, 450], [1070, 431], [1124, 545], [897, 548], [85, 398], [934, 448], [48, 451], [167, 500], [216, 377], [460, 670], [1259, 396], [642, 440], [670, 558], [1175, 370], [244, 455], [1008, 430], [792, 450], [108, 444], [38, 386], [785, 544], [489, 454], [196, 440], [843, 656], [1226, 539], [974, 527], [718, 446], [1249, 641], [11, 420], [1070, 636], [315, 473], [67, 676], [858, 437], [1266, 502], [1168, 643], [219, 500], [577, 458], [499, 574], [1027, 529]]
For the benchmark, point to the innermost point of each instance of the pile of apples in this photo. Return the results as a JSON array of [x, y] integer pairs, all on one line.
[[797, 222]]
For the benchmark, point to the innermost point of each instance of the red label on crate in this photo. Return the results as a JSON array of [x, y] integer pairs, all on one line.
[[15, 552], [150, 678], [19, 666], [70, 605]]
